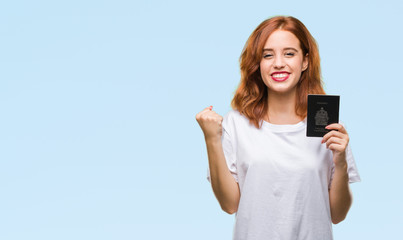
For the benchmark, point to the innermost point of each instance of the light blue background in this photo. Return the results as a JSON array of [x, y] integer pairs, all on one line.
[[98, 137]]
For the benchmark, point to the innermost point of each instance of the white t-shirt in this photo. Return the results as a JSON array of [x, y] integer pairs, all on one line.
[[283, 177]]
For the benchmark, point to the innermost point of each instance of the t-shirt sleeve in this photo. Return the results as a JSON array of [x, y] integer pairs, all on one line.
[[352, 170], [229, 150]]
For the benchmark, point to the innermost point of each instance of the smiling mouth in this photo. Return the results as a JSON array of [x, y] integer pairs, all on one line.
[[280, 77]]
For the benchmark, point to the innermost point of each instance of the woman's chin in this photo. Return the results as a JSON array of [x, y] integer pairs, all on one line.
[[282, 90]]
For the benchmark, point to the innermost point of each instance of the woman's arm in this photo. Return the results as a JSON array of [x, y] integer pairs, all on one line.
[[224, 186], [340, 195]]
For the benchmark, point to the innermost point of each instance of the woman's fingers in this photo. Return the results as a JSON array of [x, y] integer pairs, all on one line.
[[336, 126], [333, 134], [336, 140], [210, 123], [340, 133], [203, 111], [337, 147]]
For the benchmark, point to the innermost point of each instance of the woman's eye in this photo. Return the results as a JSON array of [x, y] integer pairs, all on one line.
[[290, 54], [267, 55]]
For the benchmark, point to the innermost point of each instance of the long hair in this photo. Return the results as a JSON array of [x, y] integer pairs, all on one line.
[[250, 98]]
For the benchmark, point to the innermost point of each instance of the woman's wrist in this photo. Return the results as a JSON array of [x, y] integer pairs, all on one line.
[[341, 166], [213, 140]]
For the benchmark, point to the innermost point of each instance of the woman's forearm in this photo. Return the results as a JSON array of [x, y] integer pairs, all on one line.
[[340, 195], [224, 186]]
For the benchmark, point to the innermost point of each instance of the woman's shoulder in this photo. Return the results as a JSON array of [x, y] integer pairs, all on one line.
[[234, 115], [234, 118]]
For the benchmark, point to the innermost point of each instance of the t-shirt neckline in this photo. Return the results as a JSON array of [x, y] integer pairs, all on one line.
[[285, 127]]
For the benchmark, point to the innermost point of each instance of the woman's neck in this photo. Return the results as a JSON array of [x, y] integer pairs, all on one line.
[[281, 108]]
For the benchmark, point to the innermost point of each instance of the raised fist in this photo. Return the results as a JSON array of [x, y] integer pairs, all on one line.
[[211, 123]]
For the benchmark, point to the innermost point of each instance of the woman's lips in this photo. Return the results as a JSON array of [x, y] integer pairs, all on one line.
[[280, 77]]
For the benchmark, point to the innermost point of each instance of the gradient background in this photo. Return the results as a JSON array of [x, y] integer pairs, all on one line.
[[98, 137]]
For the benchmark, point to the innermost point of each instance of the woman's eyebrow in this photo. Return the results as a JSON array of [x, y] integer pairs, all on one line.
[[288, 48]]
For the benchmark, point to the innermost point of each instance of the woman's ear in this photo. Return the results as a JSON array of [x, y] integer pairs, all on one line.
[[305, 62]]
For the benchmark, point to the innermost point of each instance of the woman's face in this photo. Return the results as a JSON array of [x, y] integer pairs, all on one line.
[[282, 62]]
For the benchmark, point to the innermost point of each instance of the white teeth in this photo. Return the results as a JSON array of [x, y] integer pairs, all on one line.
[[281, 75]]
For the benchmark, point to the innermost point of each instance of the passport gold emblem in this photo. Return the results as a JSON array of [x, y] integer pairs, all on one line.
[[321, 117]]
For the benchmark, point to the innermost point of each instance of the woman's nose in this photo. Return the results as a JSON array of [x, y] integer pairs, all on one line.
[[279, 62]]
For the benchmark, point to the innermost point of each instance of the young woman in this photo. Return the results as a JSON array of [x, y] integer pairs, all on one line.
[[280, 183]]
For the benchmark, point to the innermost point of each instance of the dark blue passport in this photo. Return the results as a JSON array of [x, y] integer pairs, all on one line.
[[322, 111]]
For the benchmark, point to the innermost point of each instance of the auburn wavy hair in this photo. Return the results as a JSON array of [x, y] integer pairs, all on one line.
[[250, 98]]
